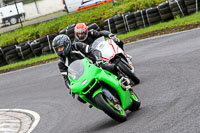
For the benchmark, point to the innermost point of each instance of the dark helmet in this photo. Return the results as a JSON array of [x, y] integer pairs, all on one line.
[[59, 42]]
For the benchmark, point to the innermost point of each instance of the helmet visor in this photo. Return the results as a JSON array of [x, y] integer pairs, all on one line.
[[59, 49], [82, 36]]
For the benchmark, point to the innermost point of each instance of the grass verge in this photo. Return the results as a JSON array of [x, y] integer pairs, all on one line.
[[28, 63]]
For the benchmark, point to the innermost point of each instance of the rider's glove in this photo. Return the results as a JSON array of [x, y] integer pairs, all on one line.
[[99, 62], [113, 37]]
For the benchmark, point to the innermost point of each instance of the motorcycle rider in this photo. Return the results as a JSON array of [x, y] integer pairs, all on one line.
[[83, 35], [69, 52]]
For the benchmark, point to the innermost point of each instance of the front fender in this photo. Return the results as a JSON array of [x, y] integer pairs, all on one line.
[[97, 92]]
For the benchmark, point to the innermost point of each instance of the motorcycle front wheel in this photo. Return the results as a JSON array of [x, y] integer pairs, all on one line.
[[114, 110], [126, 70], [135, 102]]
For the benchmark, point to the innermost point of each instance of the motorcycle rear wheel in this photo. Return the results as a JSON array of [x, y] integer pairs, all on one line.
[[110, 109]]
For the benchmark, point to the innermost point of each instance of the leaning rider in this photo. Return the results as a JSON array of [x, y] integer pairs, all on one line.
[[83, 35], [70, 52]]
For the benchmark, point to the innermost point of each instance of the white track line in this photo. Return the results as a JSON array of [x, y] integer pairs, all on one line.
[[34, 115]]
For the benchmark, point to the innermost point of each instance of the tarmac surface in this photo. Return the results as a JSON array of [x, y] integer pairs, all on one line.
[[168, 67]]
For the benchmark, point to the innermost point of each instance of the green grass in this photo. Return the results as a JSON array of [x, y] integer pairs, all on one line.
[[192, 19], [28, 62], [93, 15], [29, 1]]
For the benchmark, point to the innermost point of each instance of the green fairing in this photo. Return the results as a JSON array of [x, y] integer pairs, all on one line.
[[93, 75]]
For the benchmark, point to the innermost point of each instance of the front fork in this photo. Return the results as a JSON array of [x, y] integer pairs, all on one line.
[[130, 64], [106, 93]]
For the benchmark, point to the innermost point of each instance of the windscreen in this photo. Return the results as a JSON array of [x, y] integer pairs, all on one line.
[[76, 69], [97, 41]]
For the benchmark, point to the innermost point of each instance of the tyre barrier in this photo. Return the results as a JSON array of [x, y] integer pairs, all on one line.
[[41, 46], [120, 24], [109, 25], [130, 21], [94, 26], [165, 11], [46, 43], [153, 15], [141, 18], [3, 60], [69, 31], [178, 8], [11, 54], [24, 50], [192, 6]]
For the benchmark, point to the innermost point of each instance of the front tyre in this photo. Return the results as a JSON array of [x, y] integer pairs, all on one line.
[[126, 70], [112, 109], [135, 102]]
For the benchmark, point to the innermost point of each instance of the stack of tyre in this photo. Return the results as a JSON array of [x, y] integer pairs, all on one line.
[[46, 43], [192, 6], [36, 47], [11, 54], [24, 50], [2, 58], [94, 26], [165, 11], [178, 8], [69, 31], [109, 25], [120, 24], [141, 18], [153, 15], [130, 21]]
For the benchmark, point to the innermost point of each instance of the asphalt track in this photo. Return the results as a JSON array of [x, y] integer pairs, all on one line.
[[169, 69]]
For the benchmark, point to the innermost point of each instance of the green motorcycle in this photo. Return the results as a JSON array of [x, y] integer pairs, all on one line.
[[101, 89]]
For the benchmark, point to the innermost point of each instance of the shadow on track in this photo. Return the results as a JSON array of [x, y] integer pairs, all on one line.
[[107, 124]]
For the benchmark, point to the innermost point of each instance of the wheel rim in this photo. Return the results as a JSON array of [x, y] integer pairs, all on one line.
[[134, 97], [13, 20], [116, 107]]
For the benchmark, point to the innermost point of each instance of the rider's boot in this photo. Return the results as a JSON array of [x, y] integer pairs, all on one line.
[[131, 91], [125, 83]]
